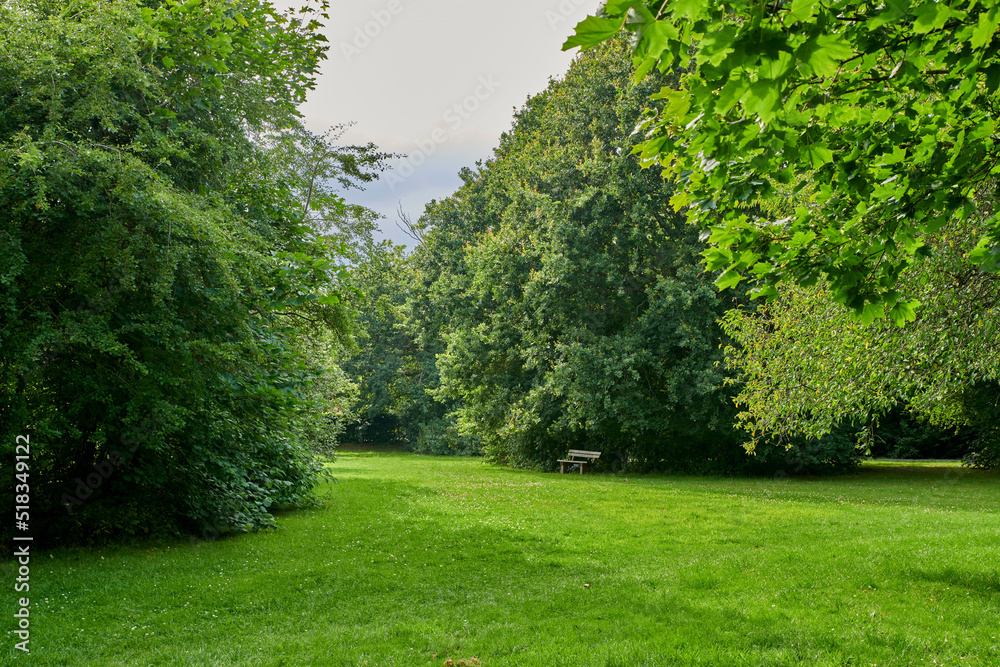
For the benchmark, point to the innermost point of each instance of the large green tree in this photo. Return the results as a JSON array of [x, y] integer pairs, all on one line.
[[804, 365], [156, 262], [879, 116], [381, 361], [582, 317]]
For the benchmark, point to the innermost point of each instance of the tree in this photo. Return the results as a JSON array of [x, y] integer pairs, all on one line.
[[438, 297], [580, 316], [381, 360], [154, 271], [804, 365], [317, 170], [873, 124]]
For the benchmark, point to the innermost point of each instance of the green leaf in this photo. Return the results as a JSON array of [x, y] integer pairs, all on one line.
[[775, 68], [679, 200], [802, 238], [931, 15], [802, 10], [762, 99], [592, 31], [897, 9], [766, 292], [617, 7], [871, 312], [643, 66], [168, 62], [836, 46], [986, 254], [824, 53], [678, 103], [985, 29], [897, 155], [693, 10], [728, 279], [819, 154], [716, 258], [717, 44], [731, 93], [722, 236], [655, 39], [903, 312]]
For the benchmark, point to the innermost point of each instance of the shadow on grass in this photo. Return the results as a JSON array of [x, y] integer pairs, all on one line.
[[986, 584], [913, 472]]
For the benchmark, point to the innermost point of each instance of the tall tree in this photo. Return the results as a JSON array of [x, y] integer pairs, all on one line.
[[804, 365], [880, 116], [153, 271], [583, 318]]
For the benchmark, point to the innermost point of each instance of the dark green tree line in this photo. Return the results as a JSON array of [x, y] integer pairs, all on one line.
[[589, 322]]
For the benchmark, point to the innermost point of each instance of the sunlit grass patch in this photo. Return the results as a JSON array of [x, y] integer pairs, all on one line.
[[417, 561]]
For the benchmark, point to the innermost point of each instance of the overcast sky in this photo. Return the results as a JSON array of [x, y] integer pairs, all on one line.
[[438, 81]]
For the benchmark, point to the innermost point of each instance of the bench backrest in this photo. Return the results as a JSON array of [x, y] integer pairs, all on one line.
[[582, 454]]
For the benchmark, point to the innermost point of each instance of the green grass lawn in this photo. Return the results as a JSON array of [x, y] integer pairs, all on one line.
[[417, 561]]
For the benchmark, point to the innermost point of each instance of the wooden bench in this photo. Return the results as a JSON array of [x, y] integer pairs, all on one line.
[[578, 457]]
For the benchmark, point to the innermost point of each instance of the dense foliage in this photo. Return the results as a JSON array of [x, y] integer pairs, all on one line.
[[589, 323], [177, 312], [805, 365], [555, 302], [382, 351], [409, 300], [880, 116], [833, 147], [164, 302]]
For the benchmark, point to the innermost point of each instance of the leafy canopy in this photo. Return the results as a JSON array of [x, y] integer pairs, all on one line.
[[581, 314], [875, 122], [156, 267], [804, 365]]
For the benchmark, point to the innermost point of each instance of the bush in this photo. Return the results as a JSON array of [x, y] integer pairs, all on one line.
[[900, 435], [980, 405], [834, 453], [151, 266], [441, 437]]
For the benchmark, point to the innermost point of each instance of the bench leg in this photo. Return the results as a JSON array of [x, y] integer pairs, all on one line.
[[562, 468], [582, 464]]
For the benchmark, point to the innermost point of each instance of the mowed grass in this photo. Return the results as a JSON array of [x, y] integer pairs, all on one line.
[[417, 561]]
